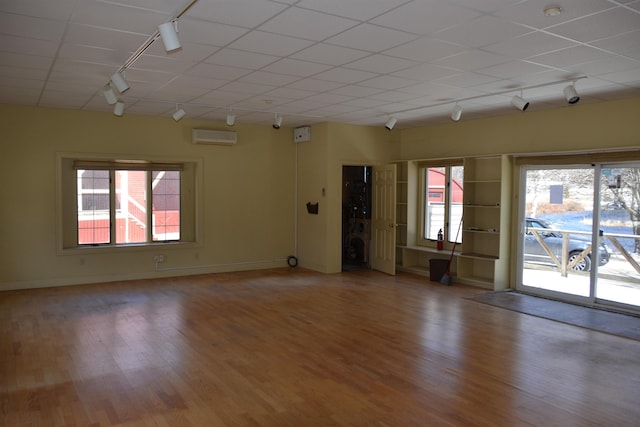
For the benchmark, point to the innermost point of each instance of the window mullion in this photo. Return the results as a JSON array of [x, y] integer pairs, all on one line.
[[149, 205], [113, 219]]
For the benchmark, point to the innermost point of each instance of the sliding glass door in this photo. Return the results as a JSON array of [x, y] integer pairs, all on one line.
[[579, 229], [619, 280]]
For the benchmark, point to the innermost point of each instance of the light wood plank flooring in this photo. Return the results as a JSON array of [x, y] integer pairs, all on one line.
[[290, 347]]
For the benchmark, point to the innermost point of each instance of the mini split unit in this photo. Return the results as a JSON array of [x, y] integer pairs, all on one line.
[[213, 137]]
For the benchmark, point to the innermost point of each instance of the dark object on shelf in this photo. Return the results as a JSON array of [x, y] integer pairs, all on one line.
[[312, 208]]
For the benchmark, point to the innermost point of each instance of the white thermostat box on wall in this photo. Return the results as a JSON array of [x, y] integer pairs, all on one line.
[[301, 134]]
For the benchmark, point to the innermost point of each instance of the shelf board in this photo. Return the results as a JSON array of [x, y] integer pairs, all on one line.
[[473, 230], [481, 205], [430, 250], [483, 181], [478, 256]]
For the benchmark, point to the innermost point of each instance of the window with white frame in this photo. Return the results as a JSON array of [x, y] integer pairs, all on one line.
[[118, 202], [441, 194]]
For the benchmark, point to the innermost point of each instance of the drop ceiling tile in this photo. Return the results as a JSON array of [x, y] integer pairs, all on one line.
[[23, 73], [425, 72], [244, 13], [294, 67], [531, 13], [630, 77], [241, 59], [425, 49], [357, 91], [270, 44], [625, 44], [329, 54], [371, 38], [602, 66], [472, 60], [35, 28], [101, 37], [21, 83], [307, 24], [205, 32], [164, 63], [425, 17], [381, 64], [512, 69], [27, 61], [391, 96], [168, 7], [599, 26], [217, 71], [485, 6], [172, 94], [117, 17], [221, 98], [290, 93], [190, 52], [76, 52], [15, 95], [328, 98], [247, 88], [273, 79], [345, 75], [570, 56], [362, 10], [387, 82], [27, 46], [465, 80], [203, 83], [364, 103], [529, 45], [59, 10], [314, 85], [481, 31]]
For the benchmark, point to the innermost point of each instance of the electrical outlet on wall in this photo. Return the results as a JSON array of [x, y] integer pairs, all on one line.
[[158, 258]]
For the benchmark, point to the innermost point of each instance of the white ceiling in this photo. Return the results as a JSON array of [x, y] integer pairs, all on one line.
[[351, 61]]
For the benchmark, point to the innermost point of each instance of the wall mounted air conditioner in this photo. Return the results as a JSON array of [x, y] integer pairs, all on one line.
[[213, 137]]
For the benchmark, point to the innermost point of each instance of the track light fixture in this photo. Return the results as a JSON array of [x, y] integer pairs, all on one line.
[[179, 113], [456, 113], [231, 118], [520, 103], [118, 109], [570, 94], [109, 94], [169, 34], [277, 122], [391, 123], [119, 82]]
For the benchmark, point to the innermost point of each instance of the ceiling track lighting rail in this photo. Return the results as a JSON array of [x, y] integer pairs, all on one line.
[[168, 31], [518, 102]]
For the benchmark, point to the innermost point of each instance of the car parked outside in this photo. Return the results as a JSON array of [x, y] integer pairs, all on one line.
[[535, 253]]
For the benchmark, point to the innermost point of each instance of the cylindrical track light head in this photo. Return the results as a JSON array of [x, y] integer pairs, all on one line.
[[571, 95], [277, 121], [179, 114], [520, 103], [119, 82], [118, 109], [456, 113], [169, 34], [109, 94], [231, 119], [391, 123]]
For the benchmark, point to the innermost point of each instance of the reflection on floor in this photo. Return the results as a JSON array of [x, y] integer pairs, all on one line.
[[600, 320]]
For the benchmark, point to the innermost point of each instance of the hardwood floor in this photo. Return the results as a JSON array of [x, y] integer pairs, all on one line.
[[290, 347]]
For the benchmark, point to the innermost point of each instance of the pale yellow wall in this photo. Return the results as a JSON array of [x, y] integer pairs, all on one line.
[[587, 127], [246, 211], [333, 146]]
